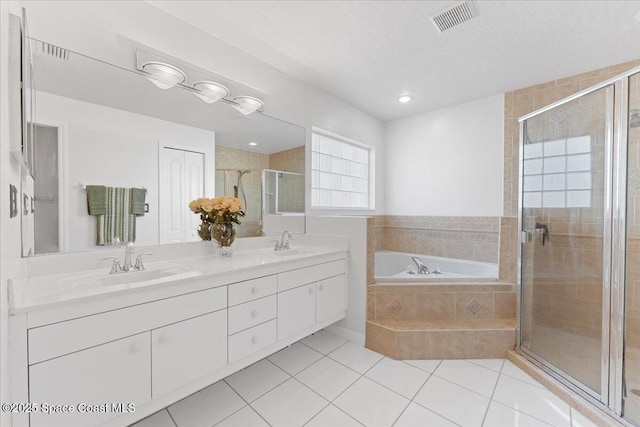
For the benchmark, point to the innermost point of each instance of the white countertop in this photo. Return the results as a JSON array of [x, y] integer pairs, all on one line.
[[44, 291]]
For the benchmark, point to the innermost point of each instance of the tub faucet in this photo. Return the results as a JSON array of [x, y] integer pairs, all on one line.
[[422, 267]]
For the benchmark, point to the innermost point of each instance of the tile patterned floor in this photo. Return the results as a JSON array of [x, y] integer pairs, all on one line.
[[327, 381]]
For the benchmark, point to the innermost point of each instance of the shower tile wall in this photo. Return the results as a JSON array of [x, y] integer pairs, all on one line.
[[231, 158], [564, 306], [568, 283]]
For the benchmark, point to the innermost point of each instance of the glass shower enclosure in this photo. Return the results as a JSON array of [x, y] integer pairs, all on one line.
[[579, 258]]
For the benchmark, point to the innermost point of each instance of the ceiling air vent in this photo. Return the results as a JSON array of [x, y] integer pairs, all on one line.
[[453, 15]]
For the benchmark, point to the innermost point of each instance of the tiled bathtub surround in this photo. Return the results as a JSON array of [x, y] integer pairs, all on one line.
[[472, 238], [441, 320]]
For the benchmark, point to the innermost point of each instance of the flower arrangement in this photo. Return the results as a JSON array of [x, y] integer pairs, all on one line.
[[218, 216]]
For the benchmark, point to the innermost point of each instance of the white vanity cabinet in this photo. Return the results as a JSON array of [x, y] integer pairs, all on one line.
[[115, 372], [310, 295], [330, 297], [252, 316], [296, 310], [188, 350], [154, 346]]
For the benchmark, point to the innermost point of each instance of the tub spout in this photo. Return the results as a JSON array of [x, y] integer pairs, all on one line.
[[422, 267]]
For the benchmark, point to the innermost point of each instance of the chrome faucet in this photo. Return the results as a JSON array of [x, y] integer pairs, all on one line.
[[128, 265], [422, 267], [283, 244], [128, 251]]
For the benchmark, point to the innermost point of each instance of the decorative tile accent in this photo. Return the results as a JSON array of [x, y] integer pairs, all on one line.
[[634, 182], [395, 307], [474, 306]]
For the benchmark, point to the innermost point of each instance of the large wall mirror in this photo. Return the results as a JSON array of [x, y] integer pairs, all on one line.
[[100, 125]]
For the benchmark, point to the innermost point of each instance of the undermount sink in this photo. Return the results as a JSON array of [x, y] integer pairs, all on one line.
[[118, 279]]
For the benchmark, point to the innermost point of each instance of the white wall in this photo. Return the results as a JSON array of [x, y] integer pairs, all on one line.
[[355, 228], [110, 31], [106, 146], [446, 162]]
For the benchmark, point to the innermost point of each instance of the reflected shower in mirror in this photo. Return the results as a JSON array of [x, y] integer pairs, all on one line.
[[101, 125]]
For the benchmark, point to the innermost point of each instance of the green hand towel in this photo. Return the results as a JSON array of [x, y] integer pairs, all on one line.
[[138, 196], [96, 199]]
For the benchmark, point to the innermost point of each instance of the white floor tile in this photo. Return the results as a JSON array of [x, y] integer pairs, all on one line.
[[493, 364], [245, 417], [468, 375], [532, 400], [207, 407], [514, 372], [332, 417], [324, 342], [417, 416], [356, 357], [328, 378], [159, 419], [501, 416], [579, 420], [453, 402], [425, 365], [371, 404], [291, 404], [295, 358], [257, 379], [398, 376]]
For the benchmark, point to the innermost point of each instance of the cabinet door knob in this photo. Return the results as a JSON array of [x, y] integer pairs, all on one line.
[[254, 340], [135, 348], [254, 313], [310, 291], [162, 339], [254, 290], [321, 287]]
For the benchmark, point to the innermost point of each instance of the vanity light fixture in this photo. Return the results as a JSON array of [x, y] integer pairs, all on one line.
[[247, 104], [163, 75], [253, 143], [403, 99], [210, 92]]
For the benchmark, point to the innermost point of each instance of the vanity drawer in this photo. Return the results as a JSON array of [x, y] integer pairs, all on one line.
[[255, 339], [252, 289], [57, 339], [252, 313], [303, 276]]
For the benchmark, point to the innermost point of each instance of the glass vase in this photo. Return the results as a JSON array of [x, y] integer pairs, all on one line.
[[224, 234], [204, 230]]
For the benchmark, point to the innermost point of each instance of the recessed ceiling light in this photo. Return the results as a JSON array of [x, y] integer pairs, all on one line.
[[253, 143], [404, 99]]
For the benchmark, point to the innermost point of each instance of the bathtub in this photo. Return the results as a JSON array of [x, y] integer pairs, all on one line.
[[393, 266]]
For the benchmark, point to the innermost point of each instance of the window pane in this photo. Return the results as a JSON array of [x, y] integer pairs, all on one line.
[[340, 173]]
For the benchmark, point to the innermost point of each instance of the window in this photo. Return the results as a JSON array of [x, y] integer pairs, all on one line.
[[557, 174], [341, 172]]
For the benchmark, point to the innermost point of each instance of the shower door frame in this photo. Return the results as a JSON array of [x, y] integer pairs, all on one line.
[[614, 249]]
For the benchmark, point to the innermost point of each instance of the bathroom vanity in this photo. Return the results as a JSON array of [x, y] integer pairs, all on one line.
[[101, 349]]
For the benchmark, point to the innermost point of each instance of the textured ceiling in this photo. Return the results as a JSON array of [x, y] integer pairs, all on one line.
[[367, 53]]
